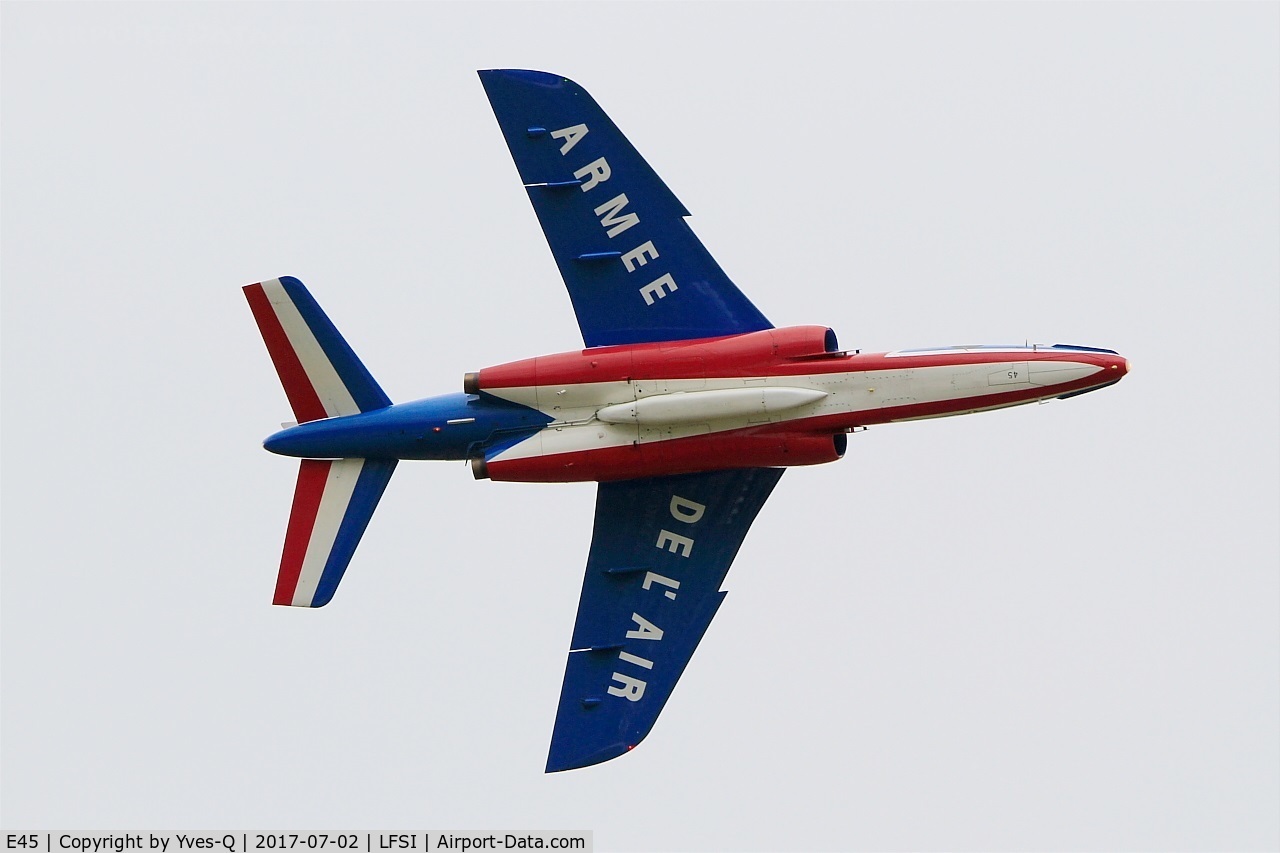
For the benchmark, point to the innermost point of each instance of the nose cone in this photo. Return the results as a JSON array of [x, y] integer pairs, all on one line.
[[1113, 368], [1117, 367]]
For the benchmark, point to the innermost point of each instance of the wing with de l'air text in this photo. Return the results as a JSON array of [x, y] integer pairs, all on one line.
[[635, 271], [660, 550]]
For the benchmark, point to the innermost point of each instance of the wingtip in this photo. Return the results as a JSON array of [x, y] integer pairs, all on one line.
[[559, 760], [526, 75]]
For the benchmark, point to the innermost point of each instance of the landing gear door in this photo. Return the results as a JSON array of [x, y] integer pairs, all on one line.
[[648, 387]]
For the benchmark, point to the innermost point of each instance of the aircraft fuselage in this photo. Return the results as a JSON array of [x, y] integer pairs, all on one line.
[[775, 398]]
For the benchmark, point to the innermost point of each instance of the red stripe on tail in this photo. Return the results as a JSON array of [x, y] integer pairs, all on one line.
[[293, 376], [312, 476]]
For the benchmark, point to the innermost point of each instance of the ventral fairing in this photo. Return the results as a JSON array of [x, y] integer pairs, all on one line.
[[686, 406]]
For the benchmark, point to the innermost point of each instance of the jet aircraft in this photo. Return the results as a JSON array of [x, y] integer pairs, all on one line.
[[685, 406]]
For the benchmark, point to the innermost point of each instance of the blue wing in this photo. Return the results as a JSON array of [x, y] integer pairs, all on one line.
[[635, 271], [660, 550]]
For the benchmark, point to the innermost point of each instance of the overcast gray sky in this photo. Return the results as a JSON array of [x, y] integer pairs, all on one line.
[[1055, 627]]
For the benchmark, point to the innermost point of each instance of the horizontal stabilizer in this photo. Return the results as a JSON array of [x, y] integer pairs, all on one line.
[[322, 376], [332, 504]]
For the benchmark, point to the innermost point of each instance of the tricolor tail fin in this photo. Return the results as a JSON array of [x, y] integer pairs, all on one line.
[[332, 504], [322, 376], [334, 498]]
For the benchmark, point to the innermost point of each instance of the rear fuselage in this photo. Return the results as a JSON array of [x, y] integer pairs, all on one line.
[[774, 398]]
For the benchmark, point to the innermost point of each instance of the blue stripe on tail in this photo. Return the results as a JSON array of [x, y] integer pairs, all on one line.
[[373, 480]]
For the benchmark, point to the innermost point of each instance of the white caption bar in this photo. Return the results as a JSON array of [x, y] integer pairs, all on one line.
[[240, 841]]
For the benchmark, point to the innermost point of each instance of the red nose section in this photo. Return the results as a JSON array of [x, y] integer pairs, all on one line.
[[1117, 366]]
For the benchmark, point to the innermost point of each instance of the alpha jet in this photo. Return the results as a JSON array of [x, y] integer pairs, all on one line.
[[685, 406]]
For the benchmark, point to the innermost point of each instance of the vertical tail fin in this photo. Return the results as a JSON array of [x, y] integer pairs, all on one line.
[[322, 376]]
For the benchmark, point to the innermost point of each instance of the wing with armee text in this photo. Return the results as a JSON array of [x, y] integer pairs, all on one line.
[[660, 550], [635, 271]]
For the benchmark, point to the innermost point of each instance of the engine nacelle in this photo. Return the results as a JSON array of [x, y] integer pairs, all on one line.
[[598, 386], [711, 452], [804, 342], [751, 354]]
